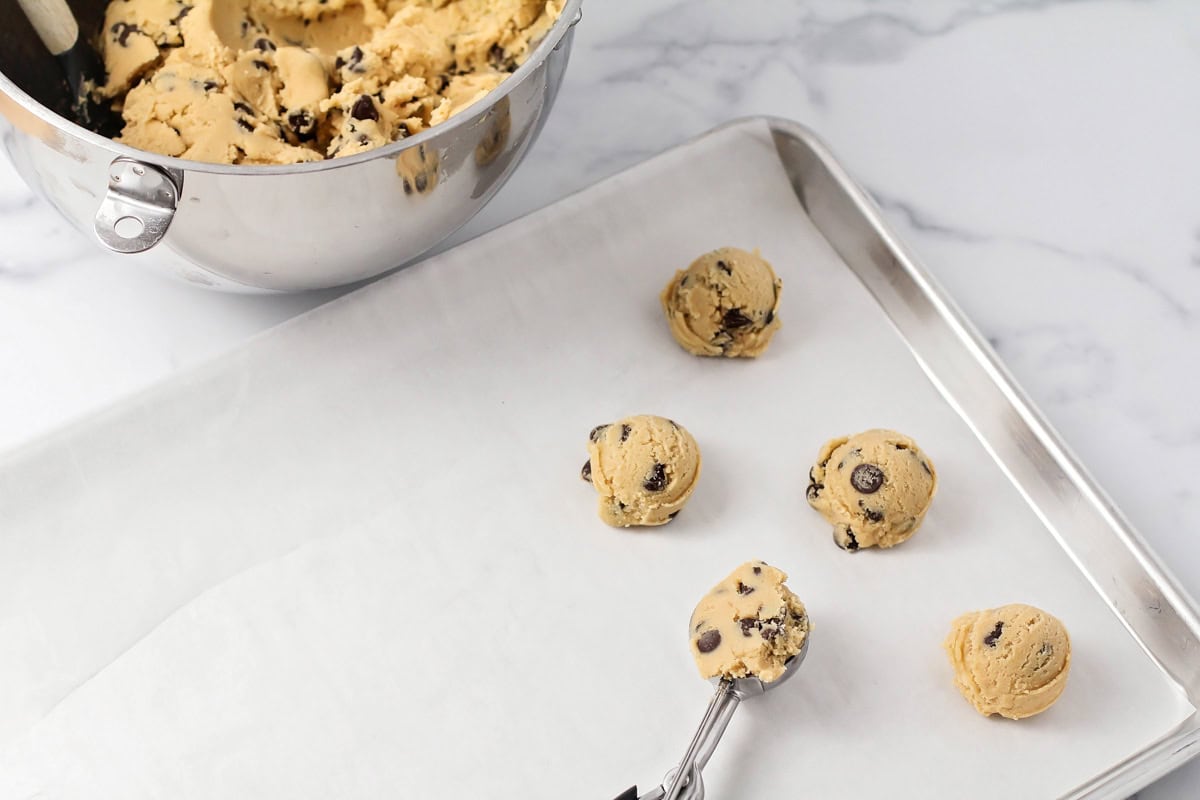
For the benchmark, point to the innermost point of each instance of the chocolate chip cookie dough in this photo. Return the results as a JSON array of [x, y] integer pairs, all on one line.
[[1012, 661], [725, 304], [644, 468], [874, 487], [284, 81], [750, 624]]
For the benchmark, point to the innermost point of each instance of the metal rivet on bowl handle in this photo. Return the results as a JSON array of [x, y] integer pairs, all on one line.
[[137, 208]]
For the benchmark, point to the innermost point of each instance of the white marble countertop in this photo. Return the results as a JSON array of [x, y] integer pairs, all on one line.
[[1040, 157]]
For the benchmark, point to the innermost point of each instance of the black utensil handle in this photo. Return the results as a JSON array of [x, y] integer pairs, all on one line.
[[628, 794]]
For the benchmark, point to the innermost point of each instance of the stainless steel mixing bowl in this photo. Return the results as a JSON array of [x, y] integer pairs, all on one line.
[[281, 228]]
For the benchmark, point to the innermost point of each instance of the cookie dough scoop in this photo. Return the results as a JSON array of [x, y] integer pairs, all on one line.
[[1012, 661], [643, 468], [874, 487], [725, 304], [749, 634]]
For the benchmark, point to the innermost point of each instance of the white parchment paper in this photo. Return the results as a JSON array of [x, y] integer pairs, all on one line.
[[355, 560]]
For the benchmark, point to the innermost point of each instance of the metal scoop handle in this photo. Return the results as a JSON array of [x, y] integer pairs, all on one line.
[[684, 782], [724, 702]]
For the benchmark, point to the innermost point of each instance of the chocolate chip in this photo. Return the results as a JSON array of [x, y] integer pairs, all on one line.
[[354, 63], [900, 446], [301, 121], [724, 267], [364, 108], [769, 318], [264, 45], [734, 319], [870, 513], [242, 107], [656, 481], [183, 12], [597, 432], [866, 478], [621, 505], [363, 139], [245, 125], [770, 629], [264, 66], [1046, 650], [708, 641], [925, 467], [748, 625], [851, 540], [496, 56], [422, 182], [122, 31], [991, 638], [408, 189], [625, 431], [814, 487], [744, 589], [840, 465], [586, 472], [210, 86], [758, 570], [673, 515]]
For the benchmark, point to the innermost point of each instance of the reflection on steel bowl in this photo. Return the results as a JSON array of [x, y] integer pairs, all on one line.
[[271, 227]]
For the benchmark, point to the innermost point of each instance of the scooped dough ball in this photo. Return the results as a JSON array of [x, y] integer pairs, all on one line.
[[643, 467], [725, 304], [1012, 661], [749, 625], [874, 487]]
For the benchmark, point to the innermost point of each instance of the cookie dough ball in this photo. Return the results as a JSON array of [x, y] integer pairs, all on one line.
[[1012, 661], [644, 468], [875, 488], [749, 625], [725, 304]]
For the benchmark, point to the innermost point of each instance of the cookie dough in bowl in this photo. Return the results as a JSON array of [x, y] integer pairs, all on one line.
[[748, 625], [874, 487], [725, 304], [1012, 661], [288, 81], [644, 469]]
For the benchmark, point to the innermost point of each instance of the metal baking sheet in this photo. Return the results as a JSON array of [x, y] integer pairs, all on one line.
[[354, 558]]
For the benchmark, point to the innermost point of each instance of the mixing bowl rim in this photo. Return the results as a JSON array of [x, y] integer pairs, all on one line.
[[571, 14]]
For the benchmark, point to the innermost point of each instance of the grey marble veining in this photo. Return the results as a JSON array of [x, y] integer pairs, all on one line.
[[1038, 156]]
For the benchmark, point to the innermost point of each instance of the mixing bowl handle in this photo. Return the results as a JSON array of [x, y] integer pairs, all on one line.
[[138, 207]]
